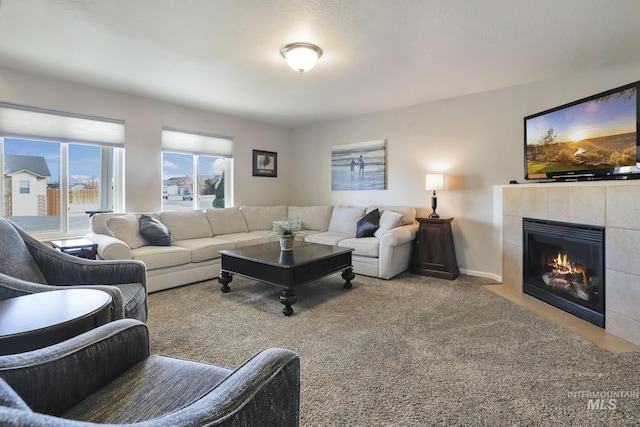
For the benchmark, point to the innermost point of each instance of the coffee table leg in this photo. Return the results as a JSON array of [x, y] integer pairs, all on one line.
[[348, 275], [224, 279], [288, 298]]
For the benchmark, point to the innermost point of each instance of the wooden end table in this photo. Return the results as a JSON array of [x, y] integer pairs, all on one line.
[[34, 321], [287, 269], [82, 248], [434, 252]]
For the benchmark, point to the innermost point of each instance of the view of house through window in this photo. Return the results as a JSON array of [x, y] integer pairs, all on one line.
[[35, 172], [180, 191]]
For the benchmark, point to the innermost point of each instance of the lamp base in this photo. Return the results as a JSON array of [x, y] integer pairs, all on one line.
[[434, 205]]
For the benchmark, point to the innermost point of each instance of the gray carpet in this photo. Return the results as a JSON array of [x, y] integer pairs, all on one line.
[[412, 351]]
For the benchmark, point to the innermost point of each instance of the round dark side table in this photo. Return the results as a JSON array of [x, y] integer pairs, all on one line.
[[42, 319]]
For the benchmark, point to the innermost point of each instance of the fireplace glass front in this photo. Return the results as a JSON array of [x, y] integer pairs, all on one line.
[[564, 266]]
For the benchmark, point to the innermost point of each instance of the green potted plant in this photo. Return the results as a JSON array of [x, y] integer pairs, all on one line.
[[287, 230]]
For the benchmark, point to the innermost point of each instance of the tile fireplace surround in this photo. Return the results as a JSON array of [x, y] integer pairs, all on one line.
[[612, 204]]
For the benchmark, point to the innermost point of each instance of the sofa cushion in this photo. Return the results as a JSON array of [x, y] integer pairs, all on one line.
[[408, 212], [127, 229], [162, 256], [368, 224], [365, 246], [226, 221], [184, 225], [98, 222], [154, 232], [326, 238], [315, 218], [262, 217], [205, 248], [245, 239], [344, 219], [388, 220]]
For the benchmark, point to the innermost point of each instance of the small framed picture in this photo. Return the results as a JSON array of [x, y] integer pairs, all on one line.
[[265, 163]]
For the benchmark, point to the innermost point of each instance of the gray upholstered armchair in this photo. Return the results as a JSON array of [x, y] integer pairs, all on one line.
[[28, 266], [107, 376]]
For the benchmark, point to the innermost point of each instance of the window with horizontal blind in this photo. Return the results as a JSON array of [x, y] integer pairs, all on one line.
[[195, 170], [69, 162]]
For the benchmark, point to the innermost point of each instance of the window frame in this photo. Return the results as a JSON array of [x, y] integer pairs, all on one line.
[[196, 144], [25, 187], [117, 179], [195, 160]]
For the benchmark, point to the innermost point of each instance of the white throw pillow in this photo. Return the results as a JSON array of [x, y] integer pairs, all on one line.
[[408, 212], [125, 228], [388, 220], [344, 219]]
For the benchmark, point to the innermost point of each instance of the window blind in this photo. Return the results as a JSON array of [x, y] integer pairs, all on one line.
[[36, 123], [181, 141]]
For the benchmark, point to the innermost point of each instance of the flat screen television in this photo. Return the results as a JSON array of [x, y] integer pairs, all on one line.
[[592, 138]]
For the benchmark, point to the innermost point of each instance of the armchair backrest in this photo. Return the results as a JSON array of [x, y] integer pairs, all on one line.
[[15, 258]]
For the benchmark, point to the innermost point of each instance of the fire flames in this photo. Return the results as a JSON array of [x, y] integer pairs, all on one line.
[[567, 276], [561, 266]]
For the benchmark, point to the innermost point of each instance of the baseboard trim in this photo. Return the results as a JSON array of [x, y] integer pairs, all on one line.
[[482, 274]]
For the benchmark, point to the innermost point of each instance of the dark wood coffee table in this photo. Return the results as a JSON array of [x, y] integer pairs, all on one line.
[[42, 319], [286, 269]]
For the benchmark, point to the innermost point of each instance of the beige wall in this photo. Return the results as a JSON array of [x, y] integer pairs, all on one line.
[[476, 139], [144, 119]]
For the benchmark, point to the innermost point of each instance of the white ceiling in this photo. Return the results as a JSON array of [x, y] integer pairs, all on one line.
[[224, 55]]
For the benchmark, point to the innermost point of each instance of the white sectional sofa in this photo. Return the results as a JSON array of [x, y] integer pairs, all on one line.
[[196, 236]]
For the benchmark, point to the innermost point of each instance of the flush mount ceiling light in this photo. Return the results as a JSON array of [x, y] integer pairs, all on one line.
[[301, 56]]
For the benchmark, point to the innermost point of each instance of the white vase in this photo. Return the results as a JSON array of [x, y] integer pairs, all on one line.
[[286, 242]]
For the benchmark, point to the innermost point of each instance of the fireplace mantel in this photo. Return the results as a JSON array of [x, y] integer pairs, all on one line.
[[610, 204]]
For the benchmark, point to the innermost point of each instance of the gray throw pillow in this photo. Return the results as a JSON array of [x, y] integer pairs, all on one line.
[[368, 224], [154, 232]]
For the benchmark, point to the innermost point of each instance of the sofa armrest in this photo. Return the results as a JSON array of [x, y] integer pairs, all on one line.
[[264, 391], [53, 379], [110, 247], [399, 235]]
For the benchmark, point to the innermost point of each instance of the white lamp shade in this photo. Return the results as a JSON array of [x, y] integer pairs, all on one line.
[[301, 56], [434, 181]]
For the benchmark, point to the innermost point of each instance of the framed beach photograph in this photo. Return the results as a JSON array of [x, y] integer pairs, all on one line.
[[265, 163], [359, 166]]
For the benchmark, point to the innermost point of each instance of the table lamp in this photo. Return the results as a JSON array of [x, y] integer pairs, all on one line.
[[434, 181]]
